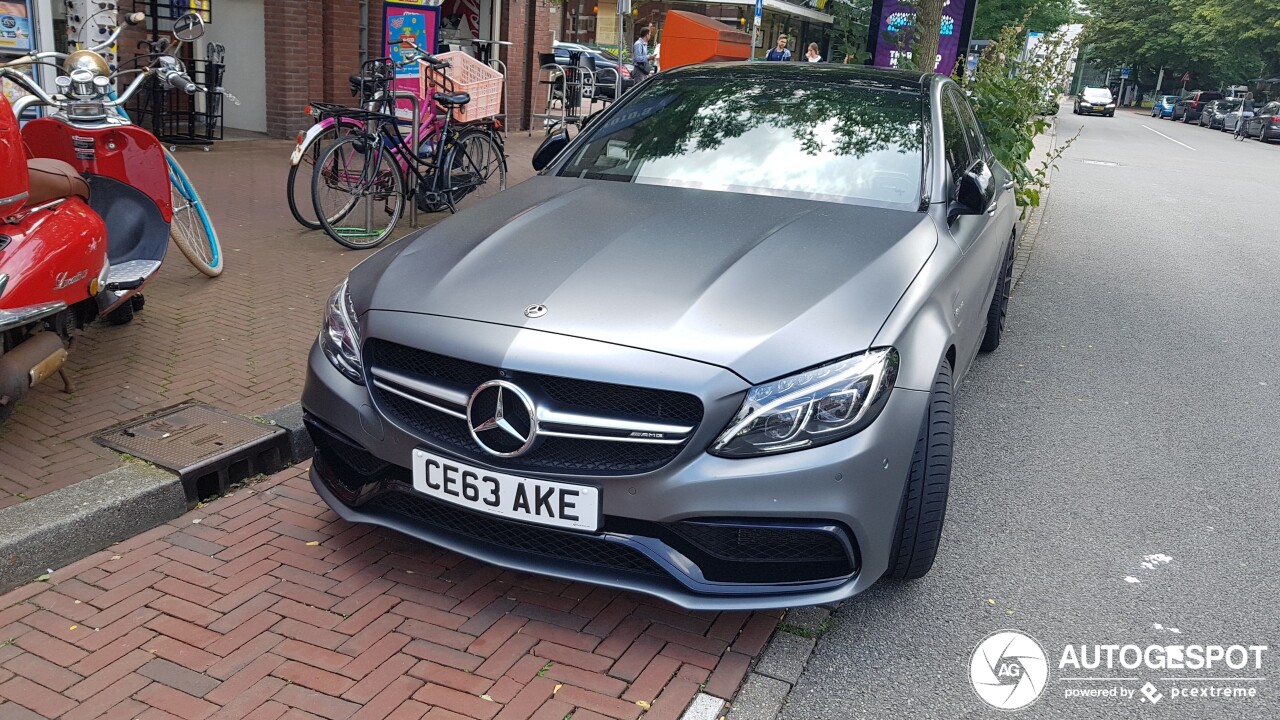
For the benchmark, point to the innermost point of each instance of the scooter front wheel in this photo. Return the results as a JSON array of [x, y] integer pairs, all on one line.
[[191, 229]]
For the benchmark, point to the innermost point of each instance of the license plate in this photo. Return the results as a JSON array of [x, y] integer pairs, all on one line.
[[544, 502]]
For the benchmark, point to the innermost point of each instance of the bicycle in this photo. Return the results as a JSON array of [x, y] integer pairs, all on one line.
[[372, 85], [361, 181], [191, 230]]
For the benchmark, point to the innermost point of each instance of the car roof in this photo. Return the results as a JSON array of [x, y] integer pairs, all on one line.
[[909, 81]]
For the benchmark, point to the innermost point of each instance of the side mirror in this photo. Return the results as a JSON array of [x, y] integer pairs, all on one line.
[[550, 148], [189, 27], [971, 196]]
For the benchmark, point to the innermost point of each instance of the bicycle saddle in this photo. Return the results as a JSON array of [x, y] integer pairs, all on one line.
[[452, 98]]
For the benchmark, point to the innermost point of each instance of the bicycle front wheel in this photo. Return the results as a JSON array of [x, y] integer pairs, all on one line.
[[477, 168], [357, 191], [190, 228], [299, 185]]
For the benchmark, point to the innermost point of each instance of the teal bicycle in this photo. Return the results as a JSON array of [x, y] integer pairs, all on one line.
[[190, 229]]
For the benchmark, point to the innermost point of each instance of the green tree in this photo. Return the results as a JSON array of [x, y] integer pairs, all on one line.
[[1045, 16]]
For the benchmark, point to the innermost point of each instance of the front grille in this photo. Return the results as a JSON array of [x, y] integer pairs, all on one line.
[[511, 535], [762, 544], [549, 454], [747, 550]]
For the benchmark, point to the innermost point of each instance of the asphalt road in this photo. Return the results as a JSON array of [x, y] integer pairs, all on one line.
[[1130, 416]]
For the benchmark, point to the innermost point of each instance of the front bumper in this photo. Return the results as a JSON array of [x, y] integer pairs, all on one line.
[[673, 532]]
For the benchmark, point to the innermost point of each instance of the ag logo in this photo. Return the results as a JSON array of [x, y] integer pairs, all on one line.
[[1008, 670]]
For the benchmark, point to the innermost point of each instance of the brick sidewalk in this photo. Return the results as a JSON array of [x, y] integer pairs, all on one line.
[[264, 604], [238, 342]]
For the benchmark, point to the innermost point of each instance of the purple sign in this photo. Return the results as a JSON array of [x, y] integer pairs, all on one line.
[[897, 16]]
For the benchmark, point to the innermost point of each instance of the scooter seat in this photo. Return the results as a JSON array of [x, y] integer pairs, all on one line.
[[53, 179]]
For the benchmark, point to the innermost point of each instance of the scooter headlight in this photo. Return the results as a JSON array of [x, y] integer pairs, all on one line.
[[340, 336]]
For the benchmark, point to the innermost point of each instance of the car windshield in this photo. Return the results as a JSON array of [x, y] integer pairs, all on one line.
[[814, 140], [1097, 95]]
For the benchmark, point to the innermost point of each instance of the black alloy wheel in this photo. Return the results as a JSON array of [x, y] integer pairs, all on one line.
[[924, 497]]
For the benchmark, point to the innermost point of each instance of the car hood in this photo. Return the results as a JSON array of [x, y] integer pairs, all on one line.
[[763, 286]]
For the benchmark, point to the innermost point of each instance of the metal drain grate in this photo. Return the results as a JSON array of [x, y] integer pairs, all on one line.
[[208, 448]]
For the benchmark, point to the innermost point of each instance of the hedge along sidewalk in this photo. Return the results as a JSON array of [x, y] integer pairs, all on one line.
[[1029, 227]]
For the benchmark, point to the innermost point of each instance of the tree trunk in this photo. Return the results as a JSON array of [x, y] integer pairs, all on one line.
[[928, 25]]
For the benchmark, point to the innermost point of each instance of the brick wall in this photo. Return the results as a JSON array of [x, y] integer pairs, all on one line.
[[315, 44], [527, 24]]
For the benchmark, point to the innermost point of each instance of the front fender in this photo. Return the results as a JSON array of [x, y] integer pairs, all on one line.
[[921, 326]]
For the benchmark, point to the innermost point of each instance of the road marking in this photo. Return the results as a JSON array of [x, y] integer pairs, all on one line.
[[1100, 162], [1166, 137]]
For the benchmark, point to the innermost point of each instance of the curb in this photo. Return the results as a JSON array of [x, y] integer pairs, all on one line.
[[1030, 228], [780, 665], [56, 529]]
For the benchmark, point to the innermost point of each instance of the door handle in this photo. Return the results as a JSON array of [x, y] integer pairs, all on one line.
[[1008, 185], [992, 210]]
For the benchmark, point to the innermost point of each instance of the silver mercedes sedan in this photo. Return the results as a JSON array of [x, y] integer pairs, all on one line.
[[708, 353]]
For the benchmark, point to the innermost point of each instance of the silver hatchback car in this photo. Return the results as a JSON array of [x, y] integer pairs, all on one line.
[[708, 353]]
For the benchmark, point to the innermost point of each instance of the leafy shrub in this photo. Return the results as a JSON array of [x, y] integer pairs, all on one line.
[[1009, 93]]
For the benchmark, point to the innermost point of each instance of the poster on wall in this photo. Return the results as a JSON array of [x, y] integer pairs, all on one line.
[[887, 36], [15, 25], [174, 9], [414, 22]]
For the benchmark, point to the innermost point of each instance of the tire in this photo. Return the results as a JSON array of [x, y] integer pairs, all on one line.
[[924, 497], [358, 192], [191, 229], [477, 168], [122, 315], [298, 187], [138, 302], [999, 307]]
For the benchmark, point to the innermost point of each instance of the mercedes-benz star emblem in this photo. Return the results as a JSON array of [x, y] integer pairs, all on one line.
[[535, 311], [502, 419]]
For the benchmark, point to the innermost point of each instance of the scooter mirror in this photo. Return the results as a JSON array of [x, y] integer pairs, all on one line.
[[189, 27]]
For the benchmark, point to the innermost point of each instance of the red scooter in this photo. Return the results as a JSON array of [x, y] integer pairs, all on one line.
[[85, 208]]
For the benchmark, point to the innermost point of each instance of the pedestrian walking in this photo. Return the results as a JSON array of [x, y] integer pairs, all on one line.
[[640, 56], [812, 54], [779, 53]]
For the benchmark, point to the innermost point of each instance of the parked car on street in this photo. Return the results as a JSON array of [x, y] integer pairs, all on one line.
[[1095, 100], [606, 64], [1214, 112], [1265, 124], [1163, 106], [1232, 115], [735, 391], [1188, 109]]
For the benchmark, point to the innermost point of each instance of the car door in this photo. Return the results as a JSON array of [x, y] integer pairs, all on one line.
[[973, 234]]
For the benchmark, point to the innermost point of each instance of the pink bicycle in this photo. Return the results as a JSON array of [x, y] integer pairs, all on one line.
[[373, 85]]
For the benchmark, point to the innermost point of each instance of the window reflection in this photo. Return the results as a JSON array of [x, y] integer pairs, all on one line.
[[740, 132]]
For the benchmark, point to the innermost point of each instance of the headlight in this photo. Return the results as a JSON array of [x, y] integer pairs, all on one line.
[[1111, 105], [339, 338], [815, 407]]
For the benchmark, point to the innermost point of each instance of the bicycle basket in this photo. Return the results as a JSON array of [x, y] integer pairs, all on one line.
[[481, 82]]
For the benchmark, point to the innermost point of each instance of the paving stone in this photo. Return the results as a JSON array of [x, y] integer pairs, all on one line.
[[760, 699], [785, 657]]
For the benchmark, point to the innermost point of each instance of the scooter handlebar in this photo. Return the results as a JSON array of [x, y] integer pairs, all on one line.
[[178, 81]]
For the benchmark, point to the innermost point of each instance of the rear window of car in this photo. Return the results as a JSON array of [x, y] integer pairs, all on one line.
[[1170, 99], [812, 140]]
